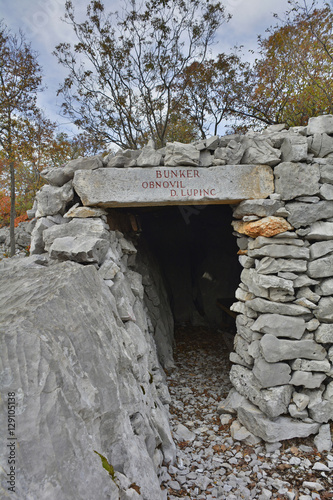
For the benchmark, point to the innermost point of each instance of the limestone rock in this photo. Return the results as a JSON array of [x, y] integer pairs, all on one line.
[[320, 231], [84, 212], [268, 265], [261, 208], [306, 365], [321, 411], [177, 153], [149, 157], [273, 402], [320, 125], [243, 324], [323, 440], [306, 293], [321, 268], [79, 249], [280, 251], [238, 360], [71, 364], [271, 374], [325, 287], [242, 349], [37, 243], [60, 175], [307, 379], [280, 326], [230, 405], [324, 334], [268, 307], [296, 179], [234, 152], [304, 280], [320, 145], [124, 296], [324, 311], [108, 270], [246, 261], [287, 238], [275, 350], [182, 433], [56, 176], [305, 214], [294, 148], [301, 400], [259, 152], [268, 226], [326, 191], [268, 287], [326, 173], [297, 413], [320, 249], [76, 227], [330, 354], [179, 185], [52, 200], [127, 246], [272, 431], [242, 308], [205, 158], [312, 325]]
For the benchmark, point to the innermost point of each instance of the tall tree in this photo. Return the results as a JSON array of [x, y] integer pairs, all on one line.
[[209, 90], [292, 79], [124, 69], [38, 146], [20, 80]]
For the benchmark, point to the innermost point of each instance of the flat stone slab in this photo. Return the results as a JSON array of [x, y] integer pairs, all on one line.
[[116, 187], [273, 431]]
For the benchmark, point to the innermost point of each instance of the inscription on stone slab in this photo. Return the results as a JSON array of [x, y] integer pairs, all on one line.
[[114, 187]]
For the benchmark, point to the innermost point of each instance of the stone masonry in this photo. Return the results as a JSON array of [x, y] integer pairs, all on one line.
[[283, 351], [282, 369]]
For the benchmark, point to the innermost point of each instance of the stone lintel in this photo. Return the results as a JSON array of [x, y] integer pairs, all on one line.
[[125, 187]]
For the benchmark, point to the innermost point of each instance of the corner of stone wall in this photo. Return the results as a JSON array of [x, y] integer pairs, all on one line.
[[283, 350]]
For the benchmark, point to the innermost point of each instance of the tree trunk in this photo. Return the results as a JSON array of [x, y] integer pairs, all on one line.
[[12, 209]]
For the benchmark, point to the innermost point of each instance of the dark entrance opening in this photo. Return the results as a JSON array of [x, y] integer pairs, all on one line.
[[197, 254]]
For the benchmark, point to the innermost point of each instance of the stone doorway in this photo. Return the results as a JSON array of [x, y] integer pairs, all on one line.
[[197, 255]]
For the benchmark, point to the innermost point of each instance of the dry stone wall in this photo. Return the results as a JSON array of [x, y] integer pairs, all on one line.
[[283, 353]]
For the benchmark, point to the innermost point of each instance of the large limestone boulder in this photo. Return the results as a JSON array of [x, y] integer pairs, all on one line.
[[296, 179], [82, 382]]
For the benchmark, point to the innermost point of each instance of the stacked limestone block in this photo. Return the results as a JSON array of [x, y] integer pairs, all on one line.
[[283, 359]]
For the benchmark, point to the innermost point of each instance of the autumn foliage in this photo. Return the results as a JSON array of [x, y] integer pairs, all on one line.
[[291, 80]]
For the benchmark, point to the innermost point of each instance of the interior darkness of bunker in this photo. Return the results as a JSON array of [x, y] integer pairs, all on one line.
[[197, 255]]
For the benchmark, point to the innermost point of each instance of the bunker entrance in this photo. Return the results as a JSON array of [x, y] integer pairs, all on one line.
[[197, 255]]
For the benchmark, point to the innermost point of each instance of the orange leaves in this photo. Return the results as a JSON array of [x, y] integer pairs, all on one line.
[[21, 218], [4, 209], [293, 77]]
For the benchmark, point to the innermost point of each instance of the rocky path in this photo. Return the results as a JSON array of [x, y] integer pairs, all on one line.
[[210, 462]]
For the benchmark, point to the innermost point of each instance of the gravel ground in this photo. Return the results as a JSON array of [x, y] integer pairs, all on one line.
[[210, 463]]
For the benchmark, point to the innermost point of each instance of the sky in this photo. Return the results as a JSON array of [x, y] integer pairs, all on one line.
[[41, 22]]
